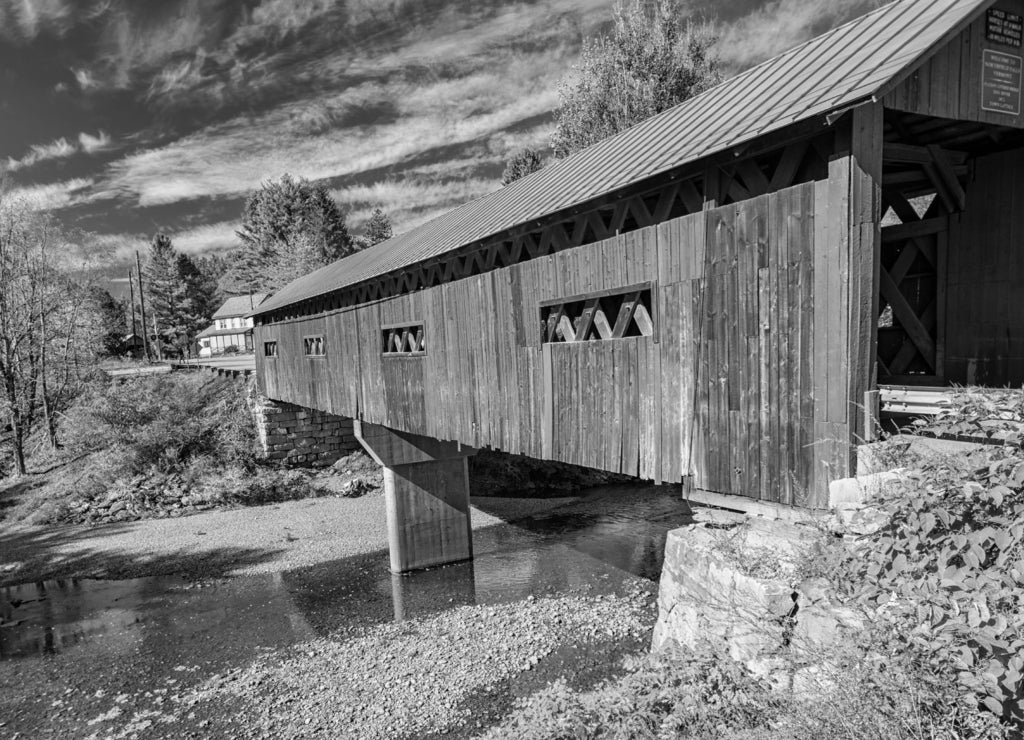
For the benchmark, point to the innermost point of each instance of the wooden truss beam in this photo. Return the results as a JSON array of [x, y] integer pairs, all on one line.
[[777, 161]]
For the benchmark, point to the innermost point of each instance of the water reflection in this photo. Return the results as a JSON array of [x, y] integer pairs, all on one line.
[[596, 543]]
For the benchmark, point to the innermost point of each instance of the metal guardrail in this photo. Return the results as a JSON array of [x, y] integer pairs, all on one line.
[[911, 400], [228, 372], [891, 403]]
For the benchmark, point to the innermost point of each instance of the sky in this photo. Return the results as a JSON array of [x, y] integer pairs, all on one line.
[[125, 118]]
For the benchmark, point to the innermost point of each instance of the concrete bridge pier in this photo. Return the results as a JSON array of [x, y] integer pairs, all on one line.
[[426, 489]]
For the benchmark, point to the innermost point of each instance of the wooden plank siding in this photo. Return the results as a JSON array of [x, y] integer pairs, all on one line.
[[984, 342], [949, 83], [733, 389]]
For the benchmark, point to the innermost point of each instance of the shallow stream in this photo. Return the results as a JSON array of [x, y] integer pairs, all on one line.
[[101, 637]]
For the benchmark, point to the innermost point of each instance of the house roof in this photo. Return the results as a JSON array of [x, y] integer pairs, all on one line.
[[211, 331], [240, 305], [858, 61]]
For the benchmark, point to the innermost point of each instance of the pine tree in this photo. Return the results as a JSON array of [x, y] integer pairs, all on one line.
[[201, 291], [110, 317], [168, 303], [653, 60], [289, 227]]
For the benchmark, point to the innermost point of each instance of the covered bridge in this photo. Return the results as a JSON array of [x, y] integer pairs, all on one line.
[[704, 298]]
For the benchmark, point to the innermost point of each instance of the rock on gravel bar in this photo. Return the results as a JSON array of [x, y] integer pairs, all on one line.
[[447, 675]]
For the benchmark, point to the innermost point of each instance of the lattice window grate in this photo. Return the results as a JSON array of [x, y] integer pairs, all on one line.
[[403, 340], [314, 346], [600, 316]]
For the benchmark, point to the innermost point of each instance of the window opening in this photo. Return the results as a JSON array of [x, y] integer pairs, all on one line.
[[314, 346], [618, 314], [403, 339], [270, 349]]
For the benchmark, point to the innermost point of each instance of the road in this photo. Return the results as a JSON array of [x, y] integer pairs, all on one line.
[[239, 363], [230, 363]]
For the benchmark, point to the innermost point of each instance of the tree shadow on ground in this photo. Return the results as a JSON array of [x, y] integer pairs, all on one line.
[[13, 490], [32, 554]]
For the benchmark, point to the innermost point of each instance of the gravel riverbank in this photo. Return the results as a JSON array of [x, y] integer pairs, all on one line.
[[451, 675]]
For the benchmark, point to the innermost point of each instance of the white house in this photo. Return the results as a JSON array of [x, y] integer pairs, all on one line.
[[230, 327]]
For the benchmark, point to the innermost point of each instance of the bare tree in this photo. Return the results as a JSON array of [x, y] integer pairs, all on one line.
[[46, 329], [19, 324]]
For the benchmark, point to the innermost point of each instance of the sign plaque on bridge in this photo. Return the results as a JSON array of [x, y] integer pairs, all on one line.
[[1001, 82], [1004, 28]]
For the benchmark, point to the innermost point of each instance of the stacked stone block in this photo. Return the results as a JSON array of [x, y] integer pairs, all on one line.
[[301, 437]]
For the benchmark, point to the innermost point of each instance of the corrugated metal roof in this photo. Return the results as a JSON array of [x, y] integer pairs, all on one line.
[[240, 305], [851, 63]]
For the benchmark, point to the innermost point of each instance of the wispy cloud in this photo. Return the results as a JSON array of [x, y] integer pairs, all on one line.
[[92, 144], [782, 24], [232, 158], [53, 196], [60, 149], [412, 202], [85, 78], [210, 238], [24, 19], [119, 247]]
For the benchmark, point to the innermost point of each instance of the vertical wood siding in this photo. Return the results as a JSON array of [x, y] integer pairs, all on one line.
[[743, 376], [985, 320]]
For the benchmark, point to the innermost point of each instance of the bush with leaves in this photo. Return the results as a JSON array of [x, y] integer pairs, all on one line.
[[873, 689], [378, 228], [947, 574], [876, 688], [522, 163], [980, 413], [702, 693], [162, 423]]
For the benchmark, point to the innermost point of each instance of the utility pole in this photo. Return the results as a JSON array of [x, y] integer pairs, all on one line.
[[156, 338], [142, 307], [131, 287]]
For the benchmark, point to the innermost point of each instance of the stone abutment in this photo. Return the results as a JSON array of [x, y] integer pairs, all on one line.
[[301, 437]]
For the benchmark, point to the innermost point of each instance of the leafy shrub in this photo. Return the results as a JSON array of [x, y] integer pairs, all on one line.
[[947, 574], [696, 694], [985, 413], [162, 423], [872, 690], [879, 687]]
